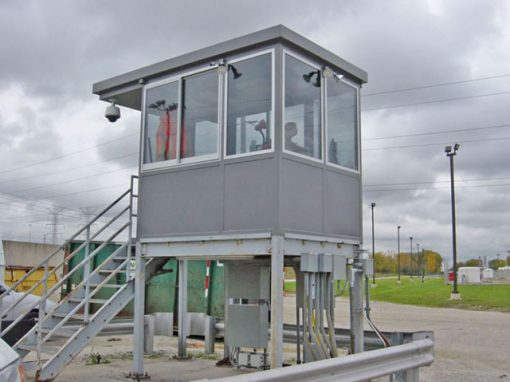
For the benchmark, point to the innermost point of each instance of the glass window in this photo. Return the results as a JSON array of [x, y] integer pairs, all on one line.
[[302, 124], [342, 124], [199, 134], [249, 105], [161, 123]]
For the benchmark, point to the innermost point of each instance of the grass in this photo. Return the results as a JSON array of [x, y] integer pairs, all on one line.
[[434, 293]]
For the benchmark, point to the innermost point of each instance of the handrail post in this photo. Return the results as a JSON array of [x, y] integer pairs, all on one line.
[[86, 276], [130, 229]]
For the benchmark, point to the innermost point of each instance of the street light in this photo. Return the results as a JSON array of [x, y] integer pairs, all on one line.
[[450, 153], [398, 255], [373, 243], [411, 239], [417, 262]]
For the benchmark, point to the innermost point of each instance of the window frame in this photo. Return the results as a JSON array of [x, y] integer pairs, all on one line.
[[273, 104], [358, 138], [178, 161], [306, 61]]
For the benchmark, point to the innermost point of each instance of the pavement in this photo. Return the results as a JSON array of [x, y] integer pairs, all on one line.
[[470, 346]]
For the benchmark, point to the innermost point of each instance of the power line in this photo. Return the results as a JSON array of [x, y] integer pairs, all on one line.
[[437, 132], [434, 85], [434, 144], [437, 181], [436, 101], [67, 155], [73, 180], [67, 169], [438, 188]]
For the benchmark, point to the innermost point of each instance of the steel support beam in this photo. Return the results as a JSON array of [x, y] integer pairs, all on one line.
[[139, 312], [356, 306], [276, 344], [183, 308]]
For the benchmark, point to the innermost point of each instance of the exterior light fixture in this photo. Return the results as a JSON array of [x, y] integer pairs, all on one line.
[[308, 77], [328, 73]]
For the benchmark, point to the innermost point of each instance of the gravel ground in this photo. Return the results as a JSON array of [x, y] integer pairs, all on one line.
[[469, 346]]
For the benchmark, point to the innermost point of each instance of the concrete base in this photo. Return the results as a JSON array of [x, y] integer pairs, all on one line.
[[373, 285], [455, 296], [398, 281]]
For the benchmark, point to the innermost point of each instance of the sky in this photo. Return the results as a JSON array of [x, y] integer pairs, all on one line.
[[438, 74]]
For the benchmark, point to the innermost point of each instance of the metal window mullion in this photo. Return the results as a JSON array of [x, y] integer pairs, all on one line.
[[180, 110]]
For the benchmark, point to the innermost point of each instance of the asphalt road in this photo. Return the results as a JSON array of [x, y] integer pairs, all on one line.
[[469, 345]]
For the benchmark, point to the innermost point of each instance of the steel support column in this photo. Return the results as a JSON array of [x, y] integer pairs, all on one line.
[[139, 312], [356, 306], [276, 345], [183, 308]]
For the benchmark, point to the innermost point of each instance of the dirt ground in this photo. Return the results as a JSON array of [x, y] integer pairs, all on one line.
[[469, 346]]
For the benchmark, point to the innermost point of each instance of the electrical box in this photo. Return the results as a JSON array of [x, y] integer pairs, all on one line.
[[247, 318], [325, 262], [253, 360], [368, 267]]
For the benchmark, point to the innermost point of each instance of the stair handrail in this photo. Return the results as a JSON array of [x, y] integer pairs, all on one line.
[[60, 282], [81, 303], [66, 259], [63, 246]]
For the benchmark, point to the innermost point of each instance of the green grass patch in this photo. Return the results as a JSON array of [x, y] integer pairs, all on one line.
[[289, 286], [434, 293]]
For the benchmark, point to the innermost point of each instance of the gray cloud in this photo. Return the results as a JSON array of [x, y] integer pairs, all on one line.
[[54, 51]]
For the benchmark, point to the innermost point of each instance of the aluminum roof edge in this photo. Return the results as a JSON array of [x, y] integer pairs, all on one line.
[[265, 36]]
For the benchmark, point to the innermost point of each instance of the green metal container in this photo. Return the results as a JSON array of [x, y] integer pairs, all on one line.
[[162, 290]]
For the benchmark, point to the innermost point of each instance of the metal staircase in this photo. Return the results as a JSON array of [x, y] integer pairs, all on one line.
[[64, 329]]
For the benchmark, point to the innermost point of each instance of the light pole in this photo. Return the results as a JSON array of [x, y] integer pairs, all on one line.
[[411, 239], [417, 262], [398, 255], [450, 153], [373, 243]]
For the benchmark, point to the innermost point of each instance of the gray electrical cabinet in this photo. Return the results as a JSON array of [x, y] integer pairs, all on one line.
[[255, 134], [248, 305]]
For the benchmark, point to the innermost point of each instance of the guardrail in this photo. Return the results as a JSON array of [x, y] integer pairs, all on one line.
[[405, 359]]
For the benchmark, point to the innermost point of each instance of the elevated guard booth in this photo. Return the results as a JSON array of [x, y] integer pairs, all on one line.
[[250, 153]]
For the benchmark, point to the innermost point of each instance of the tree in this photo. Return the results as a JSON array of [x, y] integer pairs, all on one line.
[[496, 263], [508, 260], [473, 263]]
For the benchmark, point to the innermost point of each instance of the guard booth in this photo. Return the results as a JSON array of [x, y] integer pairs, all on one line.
[[250, 153]]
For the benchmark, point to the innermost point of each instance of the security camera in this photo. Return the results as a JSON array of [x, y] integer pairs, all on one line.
[[112, 112]]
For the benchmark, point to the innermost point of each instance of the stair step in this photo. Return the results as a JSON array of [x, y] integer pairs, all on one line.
[[91, 300], [73, 317], [31, 366], [62, 332], [114, 286], [47, 349]]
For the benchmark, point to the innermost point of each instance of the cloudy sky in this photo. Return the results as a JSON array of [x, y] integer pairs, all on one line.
[[438, 71]]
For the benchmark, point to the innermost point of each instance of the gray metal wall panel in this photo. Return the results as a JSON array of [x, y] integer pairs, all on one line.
[[250, 197], [300, 197], [181, 202], [341, 204]]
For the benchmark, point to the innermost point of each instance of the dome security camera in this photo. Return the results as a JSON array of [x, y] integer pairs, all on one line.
[[112, 112]]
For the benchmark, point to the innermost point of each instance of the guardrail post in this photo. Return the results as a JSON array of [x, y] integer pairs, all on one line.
[[86, 275], [411, 375]]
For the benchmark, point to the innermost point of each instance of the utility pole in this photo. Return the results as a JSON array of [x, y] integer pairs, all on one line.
[[455, 295], [373, 244], [398, 255], [411, 239]]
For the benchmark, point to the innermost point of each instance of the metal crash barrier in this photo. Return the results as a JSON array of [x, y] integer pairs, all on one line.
[[407, 359]]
